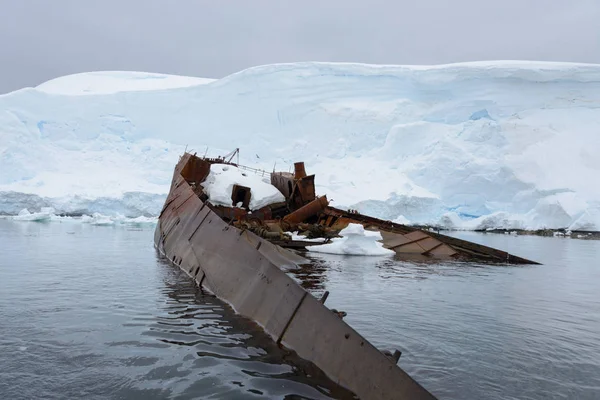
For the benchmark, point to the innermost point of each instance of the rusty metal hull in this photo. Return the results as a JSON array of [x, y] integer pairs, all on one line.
[[246, 271], [406, 240]]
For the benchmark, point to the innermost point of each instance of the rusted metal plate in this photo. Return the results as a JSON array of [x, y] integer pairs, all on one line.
[[409, 248], [299, 170], [474, 250], [238, 272], [306, 189], [392, 240], [284, 182], [416, 235], [443, 251], [276, 254], [415, 242], [428, 243], [341, 352], [195, 170]]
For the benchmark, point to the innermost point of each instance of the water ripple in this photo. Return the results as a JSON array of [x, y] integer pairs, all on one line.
[[96, 314]]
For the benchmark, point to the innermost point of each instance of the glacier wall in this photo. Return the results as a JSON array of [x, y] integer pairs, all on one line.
[[469, 146]]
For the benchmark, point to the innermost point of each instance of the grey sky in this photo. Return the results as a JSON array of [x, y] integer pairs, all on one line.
[[43, 39]]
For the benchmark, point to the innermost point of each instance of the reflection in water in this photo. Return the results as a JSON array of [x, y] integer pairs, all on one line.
[[88, 311], [312, 277], [219, 336]]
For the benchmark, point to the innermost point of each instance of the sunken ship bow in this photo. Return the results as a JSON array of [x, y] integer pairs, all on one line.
[[239, 251]]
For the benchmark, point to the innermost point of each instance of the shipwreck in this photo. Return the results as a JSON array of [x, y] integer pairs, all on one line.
[[239, 246]]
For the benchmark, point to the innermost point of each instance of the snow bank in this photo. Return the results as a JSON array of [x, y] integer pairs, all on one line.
[[218, 185], [110, 82], [129, 204], [472, 144], [553, 212], [355, 241]]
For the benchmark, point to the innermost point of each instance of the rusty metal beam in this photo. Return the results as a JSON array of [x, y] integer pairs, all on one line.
[[309, 210]]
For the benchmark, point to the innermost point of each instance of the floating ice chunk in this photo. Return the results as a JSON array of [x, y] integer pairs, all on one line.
[[296, 236], [97, 219], [141, 220], [100, 219], [355, 241], [45, 214]]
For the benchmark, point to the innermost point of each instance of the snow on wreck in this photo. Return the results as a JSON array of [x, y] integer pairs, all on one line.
[[230, 228]]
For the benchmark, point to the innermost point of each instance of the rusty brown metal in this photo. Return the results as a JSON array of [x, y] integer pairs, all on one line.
[[284, 182], [298, 188], [305, 189], [196, 170], [299, 171], [230, 213], [417, 242], [309, 210]]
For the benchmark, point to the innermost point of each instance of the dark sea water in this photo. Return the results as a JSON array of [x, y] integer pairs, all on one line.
[[93, 312]]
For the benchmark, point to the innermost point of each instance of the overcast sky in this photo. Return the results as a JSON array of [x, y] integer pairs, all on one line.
[[43, 39]]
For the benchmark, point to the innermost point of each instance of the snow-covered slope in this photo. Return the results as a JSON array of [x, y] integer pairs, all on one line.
[[110, 82], [488, 144]]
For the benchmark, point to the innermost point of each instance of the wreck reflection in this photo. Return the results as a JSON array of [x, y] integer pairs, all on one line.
[[195, 319], [312, 276]]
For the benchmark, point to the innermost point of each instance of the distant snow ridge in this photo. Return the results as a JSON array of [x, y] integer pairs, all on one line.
[[110, 82], [470, 146]]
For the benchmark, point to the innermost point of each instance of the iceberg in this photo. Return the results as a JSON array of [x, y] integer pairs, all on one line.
[[485, 144], [45, 214], [355, 241]]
